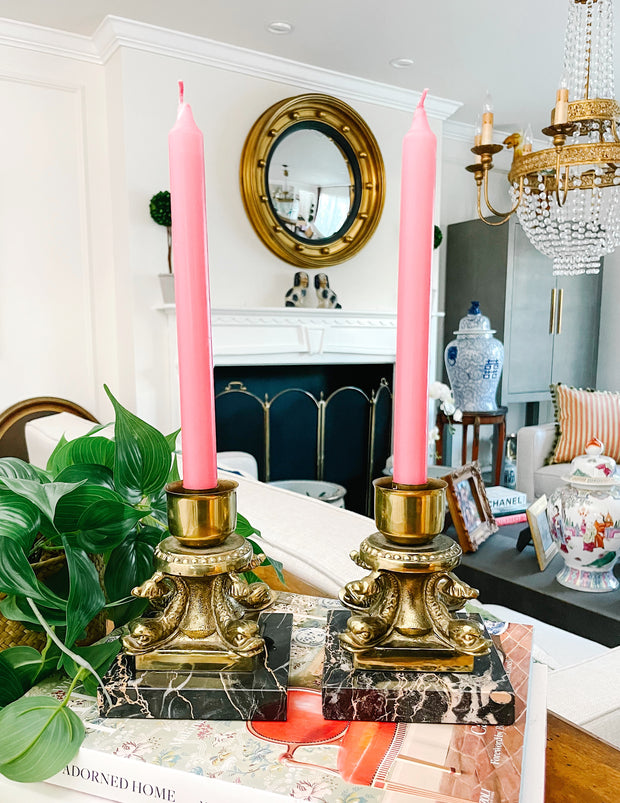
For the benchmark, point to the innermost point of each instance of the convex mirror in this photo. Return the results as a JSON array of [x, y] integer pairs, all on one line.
[[312, 180]]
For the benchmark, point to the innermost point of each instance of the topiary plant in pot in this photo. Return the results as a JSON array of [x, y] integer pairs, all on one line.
[[96, 513], [160, 211]]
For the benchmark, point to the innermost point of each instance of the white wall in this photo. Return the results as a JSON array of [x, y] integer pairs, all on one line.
[[58, 313]]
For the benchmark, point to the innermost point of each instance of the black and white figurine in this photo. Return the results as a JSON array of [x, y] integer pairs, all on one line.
[[327, 298], [296, 296]]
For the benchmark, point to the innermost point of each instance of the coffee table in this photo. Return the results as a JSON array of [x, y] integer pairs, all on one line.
[[513, 579]]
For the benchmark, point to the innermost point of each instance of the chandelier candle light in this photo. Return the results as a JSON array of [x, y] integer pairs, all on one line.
[[189, 241], [567, 196], [414, 292]]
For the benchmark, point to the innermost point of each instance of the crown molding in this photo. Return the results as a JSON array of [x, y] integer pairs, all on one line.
[[48, 40], [118, 32], [115, 32]]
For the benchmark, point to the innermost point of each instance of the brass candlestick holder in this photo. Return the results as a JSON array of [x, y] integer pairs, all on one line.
[[202, 650], [403, 610], [404, 654], [201, 624]]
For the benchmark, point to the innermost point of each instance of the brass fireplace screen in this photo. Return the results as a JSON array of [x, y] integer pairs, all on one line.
[[344, 437]]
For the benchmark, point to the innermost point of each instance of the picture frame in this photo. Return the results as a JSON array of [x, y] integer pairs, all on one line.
[[546, 548], [469, 507]]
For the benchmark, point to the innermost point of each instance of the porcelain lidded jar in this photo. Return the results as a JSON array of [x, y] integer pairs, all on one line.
[[474, 362], [584, 519]]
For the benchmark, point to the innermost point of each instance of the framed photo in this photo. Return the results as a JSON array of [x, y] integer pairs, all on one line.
[[469, 507], [544, 544]]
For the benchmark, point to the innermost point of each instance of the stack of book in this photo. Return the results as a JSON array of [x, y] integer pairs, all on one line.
[[309, 758], [507, 505]]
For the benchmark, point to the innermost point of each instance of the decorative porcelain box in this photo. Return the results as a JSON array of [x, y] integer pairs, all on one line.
[[474, 362], [584, 519]]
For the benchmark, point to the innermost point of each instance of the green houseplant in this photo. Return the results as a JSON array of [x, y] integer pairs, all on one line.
[[99, 510], [160, 211]]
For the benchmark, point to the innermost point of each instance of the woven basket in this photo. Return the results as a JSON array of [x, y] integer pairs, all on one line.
[[17, 634]]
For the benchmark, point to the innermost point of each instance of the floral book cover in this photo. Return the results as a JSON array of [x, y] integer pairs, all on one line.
[[306, 757]]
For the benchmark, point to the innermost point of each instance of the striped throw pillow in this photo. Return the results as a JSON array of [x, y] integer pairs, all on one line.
[[582, 415]]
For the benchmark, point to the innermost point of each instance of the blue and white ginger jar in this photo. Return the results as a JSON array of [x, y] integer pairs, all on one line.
[[474, 362]]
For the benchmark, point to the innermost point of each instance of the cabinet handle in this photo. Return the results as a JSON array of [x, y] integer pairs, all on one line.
[[552, 311], [558, 328]]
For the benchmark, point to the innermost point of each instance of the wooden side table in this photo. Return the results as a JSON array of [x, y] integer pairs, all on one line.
[[496, 418]]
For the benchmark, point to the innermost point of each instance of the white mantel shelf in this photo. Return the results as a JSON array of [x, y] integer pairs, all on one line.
[[299, 336]]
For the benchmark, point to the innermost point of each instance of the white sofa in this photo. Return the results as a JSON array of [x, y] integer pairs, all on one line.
[[535, 478]]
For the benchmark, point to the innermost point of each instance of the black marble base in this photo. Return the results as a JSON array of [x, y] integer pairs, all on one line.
[[156, 694], [484, 696]]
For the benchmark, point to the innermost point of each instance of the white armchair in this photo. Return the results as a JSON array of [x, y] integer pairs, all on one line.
[[534, 478]]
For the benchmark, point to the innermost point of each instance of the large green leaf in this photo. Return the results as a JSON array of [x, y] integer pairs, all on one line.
[[87, 449], [72, 507], [99, 656], [244, 527], [159, 508], [38, 737], [174, 475], [44, 496], [171, 439], [11, 686], [17, 608], [17, 576], [18, 469], [131, 563], [54, 462], [142, 460], [86, 597], [94, 473], [105, 524], [25, 661], [19, 519]]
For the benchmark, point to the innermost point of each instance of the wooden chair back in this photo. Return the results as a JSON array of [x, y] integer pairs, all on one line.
[[13, 421]]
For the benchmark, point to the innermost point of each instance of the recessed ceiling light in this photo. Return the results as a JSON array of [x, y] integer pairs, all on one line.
[[401, 64], [280, 27]]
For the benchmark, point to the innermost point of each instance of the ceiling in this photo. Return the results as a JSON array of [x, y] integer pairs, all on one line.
[[460, 48]]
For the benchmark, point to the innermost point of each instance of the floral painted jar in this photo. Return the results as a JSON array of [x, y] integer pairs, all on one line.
[[474, 362], [584, 519]]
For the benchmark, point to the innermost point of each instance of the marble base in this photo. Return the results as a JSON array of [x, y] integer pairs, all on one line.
[[258, 694], [483, 697]]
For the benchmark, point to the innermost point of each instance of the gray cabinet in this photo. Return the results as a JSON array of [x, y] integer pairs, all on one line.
[[549, 324]]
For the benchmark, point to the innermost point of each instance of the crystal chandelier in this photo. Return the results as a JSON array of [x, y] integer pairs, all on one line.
[[567, 197], [283, 197]]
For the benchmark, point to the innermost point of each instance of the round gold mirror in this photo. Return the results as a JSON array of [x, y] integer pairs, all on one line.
[[312, 180]]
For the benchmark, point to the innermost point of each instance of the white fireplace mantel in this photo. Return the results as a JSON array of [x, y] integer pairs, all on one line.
[[298, 336]]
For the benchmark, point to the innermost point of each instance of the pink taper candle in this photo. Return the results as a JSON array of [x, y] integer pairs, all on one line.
[[414, 292], [191, 285]]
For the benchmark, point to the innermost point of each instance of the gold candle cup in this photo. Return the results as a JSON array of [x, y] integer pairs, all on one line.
[[410, 515], [202, 518]]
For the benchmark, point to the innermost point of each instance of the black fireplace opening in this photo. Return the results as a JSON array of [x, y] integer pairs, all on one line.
[[330, 422]]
